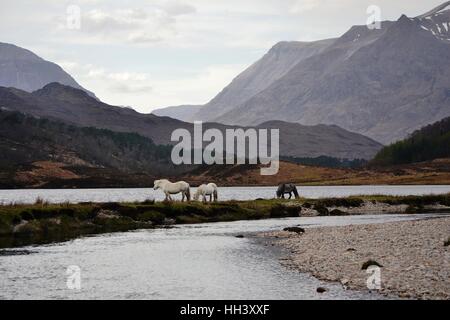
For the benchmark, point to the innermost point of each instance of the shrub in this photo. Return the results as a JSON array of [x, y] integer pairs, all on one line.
[[322, 210], [281, 211], [44, 213], [41, 202], [26, 215], [153, 216], [307, 205], [341, 202], [337, 212]]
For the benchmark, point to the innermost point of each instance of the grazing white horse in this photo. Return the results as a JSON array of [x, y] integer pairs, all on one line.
[[173, 188], [204, 190]]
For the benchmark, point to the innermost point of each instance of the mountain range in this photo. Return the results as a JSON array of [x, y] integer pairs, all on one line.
[[332, 98], [383, 83], [76, 107]]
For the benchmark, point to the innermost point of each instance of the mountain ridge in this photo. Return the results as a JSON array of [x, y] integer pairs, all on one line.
[[383, 83], [73, 106], [353, 85], [22, 69], [274, 64]]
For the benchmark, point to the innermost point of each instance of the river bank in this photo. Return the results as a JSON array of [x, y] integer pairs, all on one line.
[[414, 255], [44, 222], [188, 262], [57, 175]]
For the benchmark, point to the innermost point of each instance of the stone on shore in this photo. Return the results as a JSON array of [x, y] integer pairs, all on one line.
[[297, 230]]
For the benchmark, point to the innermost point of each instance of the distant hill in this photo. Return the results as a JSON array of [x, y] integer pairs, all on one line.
[[22, 69], [301, 141], [51, 154], [73, 106], [184, 113], [429, 143], [435, 172], [29, 145]]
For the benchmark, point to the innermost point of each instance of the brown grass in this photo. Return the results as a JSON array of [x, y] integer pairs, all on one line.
[[434, 172]]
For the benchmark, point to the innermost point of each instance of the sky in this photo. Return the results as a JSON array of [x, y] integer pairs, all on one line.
[[148, 54]]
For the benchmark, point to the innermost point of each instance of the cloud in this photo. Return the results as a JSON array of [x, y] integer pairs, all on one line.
[[145, 92], [127, 76], [143, 37], [151, 23], [127, 88], [178, 9], [155, 53], [117, 82], [301, 6]]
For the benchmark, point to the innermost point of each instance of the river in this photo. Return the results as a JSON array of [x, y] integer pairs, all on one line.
[[204, 261], [27, 196]]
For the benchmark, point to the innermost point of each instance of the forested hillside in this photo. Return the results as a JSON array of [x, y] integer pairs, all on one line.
[[429, 143], [25, 139]]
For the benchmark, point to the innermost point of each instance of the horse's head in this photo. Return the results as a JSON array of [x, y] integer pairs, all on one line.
[[280, 190], [156, 184], [198, 192], [196, 196]]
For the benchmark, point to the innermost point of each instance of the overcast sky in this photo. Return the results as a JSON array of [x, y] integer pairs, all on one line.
[[156, 53]]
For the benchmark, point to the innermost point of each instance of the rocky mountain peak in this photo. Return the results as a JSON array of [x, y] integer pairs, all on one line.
[[437, 22], [63, 93], [22, 69], [12, 52], [441, 9], [384, 83]]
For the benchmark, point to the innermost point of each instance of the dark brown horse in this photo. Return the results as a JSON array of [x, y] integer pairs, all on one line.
[[285, 188]]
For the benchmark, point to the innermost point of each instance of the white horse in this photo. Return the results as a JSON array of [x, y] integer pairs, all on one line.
[[204, 190], [173, 188]]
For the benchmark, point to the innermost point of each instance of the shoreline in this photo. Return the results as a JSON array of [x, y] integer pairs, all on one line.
[[414, 255], [44, 222], [229, 185]]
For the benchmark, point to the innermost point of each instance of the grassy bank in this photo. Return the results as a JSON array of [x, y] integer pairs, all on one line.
[[44, 223]]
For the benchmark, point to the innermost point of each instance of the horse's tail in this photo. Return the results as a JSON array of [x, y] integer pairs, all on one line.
[[215, 194], [295, 192], [188, 193]]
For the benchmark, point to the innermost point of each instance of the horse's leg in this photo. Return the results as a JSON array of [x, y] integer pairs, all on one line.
[[182, 196], [290, 195], [210, 197]]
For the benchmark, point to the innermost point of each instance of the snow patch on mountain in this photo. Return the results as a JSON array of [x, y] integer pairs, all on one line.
[[437, 21]]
